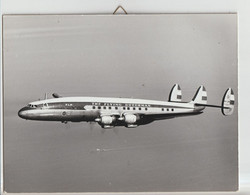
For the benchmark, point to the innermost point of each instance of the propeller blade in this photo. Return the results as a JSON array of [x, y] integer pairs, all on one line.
[[103, 131], [116, 130], [66, 125], [91, 126]]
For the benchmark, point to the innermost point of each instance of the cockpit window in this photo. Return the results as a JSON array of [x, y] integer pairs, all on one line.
[[32, 106]]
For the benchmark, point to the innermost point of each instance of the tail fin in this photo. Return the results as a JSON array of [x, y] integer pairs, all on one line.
[[200, 96], [175, 94], [227, 106]]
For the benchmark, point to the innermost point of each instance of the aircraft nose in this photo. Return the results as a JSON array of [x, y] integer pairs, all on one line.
[[21, 113]]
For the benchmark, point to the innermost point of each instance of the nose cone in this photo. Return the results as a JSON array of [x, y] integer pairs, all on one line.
[[21, 113]]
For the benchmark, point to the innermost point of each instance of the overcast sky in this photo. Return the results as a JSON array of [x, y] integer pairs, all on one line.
[[120, 56]]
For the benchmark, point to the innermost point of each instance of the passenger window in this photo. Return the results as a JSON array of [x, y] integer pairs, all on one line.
[[146, 108], [167, 109], [128, 108], [172, 109], [99, 107], [124, 108], [116, 108], [109, 107], [93, 107], [139, 108], [104, 107], [162, 109], [133, 108]]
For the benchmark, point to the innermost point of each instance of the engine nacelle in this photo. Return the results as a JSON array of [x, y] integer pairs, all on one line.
[[130, 118], [107, 120]]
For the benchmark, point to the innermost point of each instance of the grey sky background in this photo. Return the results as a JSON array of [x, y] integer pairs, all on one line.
[[120, 56]]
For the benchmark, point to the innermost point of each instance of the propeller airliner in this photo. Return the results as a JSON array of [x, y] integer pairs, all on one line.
[[128, 112]]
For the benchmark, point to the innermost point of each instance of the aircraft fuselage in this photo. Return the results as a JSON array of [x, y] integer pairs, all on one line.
[[106, 111]]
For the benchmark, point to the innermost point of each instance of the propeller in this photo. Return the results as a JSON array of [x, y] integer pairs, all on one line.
[[103, 131], [116, 130], [66, 124], [91, 126]]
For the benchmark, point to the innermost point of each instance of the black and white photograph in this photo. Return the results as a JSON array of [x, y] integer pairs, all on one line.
[[120, 103]]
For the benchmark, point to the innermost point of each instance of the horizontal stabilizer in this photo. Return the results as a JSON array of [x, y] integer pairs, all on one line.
[[227, 106], [175, 94], [208, 105]]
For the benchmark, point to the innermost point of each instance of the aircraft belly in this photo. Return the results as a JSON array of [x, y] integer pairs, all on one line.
[[61, 115], [174, 115]]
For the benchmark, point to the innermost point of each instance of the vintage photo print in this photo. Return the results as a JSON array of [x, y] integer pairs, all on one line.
[[120, 103]]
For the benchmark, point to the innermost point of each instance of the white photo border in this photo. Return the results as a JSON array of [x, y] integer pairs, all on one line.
[[241, 7]]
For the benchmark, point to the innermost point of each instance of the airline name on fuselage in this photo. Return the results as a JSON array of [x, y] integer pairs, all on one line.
[[119, 104]]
